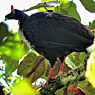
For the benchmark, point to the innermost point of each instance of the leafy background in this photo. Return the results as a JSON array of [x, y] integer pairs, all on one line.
[[16, 56]]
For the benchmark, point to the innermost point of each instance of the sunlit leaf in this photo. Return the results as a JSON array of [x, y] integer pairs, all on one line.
[[68, 8], [47, 0], [75, 59], [70, 63], [23, 87], [43, 9], [82, 57], [48, 8], [45, 5], [0, 75], [90, 72], [12, 49]]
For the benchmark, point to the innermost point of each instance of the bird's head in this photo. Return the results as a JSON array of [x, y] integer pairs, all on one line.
[[16, 14]]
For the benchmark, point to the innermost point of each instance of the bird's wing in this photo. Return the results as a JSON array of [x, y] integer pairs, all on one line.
[[57, 30]]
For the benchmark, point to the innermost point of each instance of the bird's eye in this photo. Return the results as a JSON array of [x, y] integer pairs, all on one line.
[[13, 12]]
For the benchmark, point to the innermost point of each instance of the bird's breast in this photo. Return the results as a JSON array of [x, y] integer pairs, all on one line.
[[21, 34]]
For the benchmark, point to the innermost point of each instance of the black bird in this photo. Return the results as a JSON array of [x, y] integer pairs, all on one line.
[[52, 34]]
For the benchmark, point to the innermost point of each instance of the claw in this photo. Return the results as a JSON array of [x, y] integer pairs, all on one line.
[[72, 89], [79, 90]]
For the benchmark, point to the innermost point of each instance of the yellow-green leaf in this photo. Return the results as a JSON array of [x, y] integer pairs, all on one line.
[[90, 72], [23, 87]]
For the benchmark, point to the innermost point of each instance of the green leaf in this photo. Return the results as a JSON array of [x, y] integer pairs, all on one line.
[[3, 32], [90, 71], [32, 67], [23, 87], [92, 26], [0, 75], [68, 8], [48, 8], [12, 49], [76, 58], [11, 58], [57, 68], [10, 64], [43, 9], [47, 69], [16, 49], [66, 68], [89, 5], [70, 63], [82, 57], [48, 5], [47, 0]]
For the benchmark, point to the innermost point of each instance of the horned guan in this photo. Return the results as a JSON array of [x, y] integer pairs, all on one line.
[[52, 34]]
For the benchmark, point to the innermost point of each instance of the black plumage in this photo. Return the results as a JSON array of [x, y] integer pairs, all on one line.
[[52, 34]]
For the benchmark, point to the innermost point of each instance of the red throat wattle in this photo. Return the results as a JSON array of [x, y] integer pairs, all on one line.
[[12, 8]]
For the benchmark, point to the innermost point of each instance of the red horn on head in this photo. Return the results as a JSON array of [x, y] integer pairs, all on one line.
[[12, 8]]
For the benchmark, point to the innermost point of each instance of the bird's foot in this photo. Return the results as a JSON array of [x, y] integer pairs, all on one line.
[[49, 76], [46, 84], [62, 66], [22, 42], [80, 91], [72, 89], [54, 78]]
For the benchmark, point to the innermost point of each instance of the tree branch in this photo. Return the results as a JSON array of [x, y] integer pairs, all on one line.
[[44, 4], [64, 80]]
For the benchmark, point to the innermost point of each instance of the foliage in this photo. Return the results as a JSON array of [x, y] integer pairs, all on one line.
[[24, 88], [90, 73], [16, 56], [68, 8], [89, 5]]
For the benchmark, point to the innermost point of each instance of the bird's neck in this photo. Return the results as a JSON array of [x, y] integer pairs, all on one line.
[[23, 17]]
